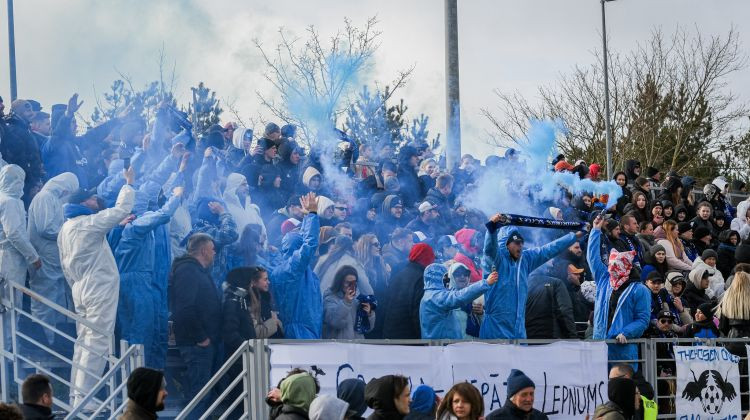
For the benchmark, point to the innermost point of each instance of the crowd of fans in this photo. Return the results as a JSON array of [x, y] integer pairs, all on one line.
[[146, 231]]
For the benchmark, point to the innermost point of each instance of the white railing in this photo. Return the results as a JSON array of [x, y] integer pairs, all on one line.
[[16, 360]]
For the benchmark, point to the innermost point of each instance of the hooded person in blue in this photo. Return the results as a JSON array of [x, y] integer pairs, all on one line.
[[295, 286], [436, 310], [505, 304], [622, 309], [140, 301]]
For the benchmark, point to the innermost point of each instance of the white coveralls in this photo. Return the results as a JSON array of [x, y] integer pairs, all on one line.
[[90, 269], [45, 220], [16, 252]]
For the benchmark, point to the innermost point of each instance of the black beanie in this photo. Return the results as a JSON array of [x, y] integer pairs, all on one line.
[[707, 309], [517, 381], [143, 387], [709, 253], [683, 227], [701, 232]]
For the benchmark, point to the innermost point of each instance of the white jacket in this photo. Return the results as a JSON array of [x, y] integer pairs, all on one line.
[[715, 279], [85, 254], [243, 213], [16, 251], [740, 223]]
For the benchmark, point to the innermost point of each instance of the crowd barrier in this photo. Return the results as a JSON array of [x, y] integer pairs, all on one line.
[[25, 346]]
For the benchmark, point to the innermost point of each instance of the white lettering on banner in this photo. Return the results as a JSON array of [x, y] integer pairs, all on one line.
[[708, 383], [570, 377]]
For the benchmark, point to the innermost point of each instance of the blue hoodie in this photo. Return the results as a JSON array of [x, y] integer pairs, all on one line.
[[505, 303], [436, 310], [633, 307], [295, 286]]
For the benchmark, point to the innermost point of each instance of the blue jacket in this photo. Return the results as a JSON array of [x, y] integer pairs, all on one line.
[[436, 310], [505, 303], [295, 286], [633, 308]]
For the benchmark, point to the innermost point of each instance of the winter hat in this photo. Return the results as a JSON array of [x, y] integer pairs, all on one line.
[[588, 291], [463, 236], [289, 225], [720, 182], [651, 171], [328, 407], [742, 253], [353, 392], [298, 391], [619, 267], [266, 143], [143, 387], [213, 139], [594, 170], [422, 400], [683, 227], [406, 153], [707, 309], [701, 232], [709, 253], [271, 128], [426, 206], [422, 254], [656, 248], [611, 224], [309, 173], [657, 203], [518, 381]]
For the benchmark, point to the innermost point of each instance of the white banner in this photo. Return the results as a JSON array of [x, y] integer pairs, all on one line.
[[570, 377], [708, 383]]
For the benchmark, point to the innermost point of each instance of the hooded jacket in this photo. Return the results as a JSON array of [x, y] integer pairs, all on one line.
[[505, 303], [16, 252], [297, 393], [244, 212], [353, 392], [630, 166], [464, 237], [633, 311], [379, 395], [327, 407], [143, 389], [694, 296], [295, 286], [386, 223], [436, 310], [740, 223]]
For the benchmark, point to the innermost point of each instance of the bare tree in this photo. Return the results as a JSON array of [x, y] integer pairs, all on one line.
[[313, 80], [670, 104]]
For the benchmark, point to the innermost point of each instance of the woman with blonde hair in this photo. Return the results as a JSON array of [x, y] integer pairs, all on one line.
[[462, 402], [367, 250], [669, 238], [734, 321]]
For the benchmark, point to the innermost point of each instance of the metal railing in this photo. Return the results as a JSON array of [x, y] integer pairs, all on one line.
[[27, 353], [242, 390]]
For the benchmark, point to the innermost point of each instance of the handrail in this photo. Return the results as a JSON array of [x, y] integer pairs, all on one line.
[[242, 349], [131, 353]]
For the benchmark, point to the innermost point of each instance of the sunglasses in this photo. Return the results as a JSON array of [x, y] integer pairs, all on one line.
[[666, 321], [340, 208]]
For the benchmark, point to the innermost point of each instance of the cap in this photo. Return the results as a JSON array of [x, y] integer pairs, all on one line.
[[674, 277], [572, 269], [82, 195], [665, 313], [655, 277], [515, 237], [289, 225], [563, 166], [426, 206]]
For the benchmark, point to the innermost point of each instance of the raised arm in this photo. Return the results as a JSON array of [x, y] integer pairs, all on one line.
[[593, 257]]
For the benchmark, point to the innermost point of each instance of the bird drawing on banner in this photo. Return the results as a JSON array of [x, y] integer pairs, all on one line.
[[317, 371], [711, 389]]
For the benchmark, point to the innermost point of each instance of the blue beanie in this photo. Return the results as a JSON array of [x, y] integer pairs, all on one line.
[[422, 399], [517, 381]]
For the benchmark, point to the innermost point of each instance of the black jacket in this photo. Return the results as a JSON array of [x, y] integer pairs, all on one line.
[[549, 311], [36, 412], [288, 412], [510, 412], [194, 302], [694, 297], [405, 294], [237, 326], [19, 146]]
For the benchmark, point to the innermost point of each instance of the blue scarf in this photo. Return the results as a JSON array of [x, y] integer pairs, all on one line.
[[71, 210]]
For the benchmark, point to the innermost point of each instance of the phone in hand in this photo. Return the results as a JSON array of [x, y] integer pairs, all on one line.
[[127, 163]]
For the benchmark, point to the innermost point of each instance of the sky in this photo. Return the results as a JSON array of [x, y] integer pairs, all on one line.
[[71, 46]]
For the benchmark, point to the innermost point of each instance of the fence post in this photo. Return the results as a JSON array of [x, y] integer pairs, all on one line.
[[248, 365]]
